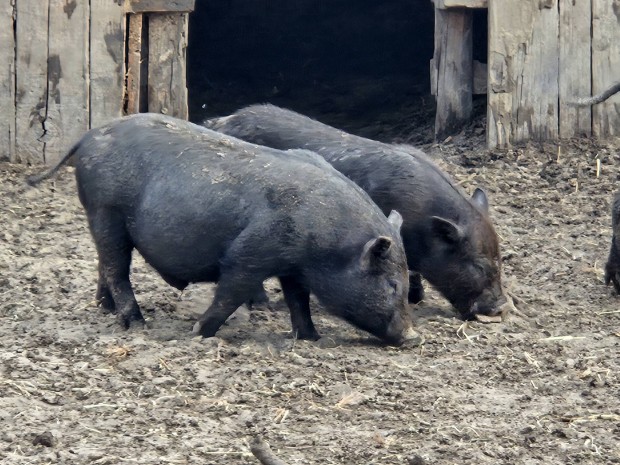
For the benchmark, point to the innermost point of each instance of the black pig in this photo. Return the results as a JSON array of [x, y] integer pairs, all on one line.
[[448, 237], [612, 268], [201, 206]]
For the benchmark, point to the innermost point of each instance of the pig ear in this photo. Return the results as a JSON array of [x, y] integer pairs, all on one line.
[[376, 249], [479, 198], [395, 219], [446, 230]]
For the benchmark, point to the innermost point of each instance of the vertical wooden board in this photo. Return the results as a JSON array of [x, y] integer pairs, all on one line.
[[7, 81], [107, 60], [523, 86], [167, 91], [605, 65], [67, 103], [453, 62], [575, 68], [134, 57], [31, 80]]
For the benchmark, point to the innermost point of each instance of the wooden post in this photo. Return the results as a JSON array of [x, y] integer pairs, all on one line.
[[31, 80], [107, 60], [7, 81], [523, 90], [67, 85], [605, 65], [167, 68], [452, 69], [575, 69], [164, 74], [134, 64]]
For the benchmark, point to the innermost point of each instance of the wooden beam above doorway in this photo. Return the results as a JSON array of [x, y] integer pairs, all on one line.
[[159, 6], [446, 4]]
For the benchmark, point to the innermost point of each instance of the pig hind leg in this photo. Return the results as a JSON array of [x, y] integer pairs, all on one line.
[[232, 291], [416, 290], [103, 296], [298, 300], [114, 248]]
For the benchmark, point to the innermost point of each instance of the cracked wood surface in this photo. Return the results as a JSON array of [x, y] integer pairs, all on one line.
[[575, 66], [167, 91], [7, 82], [107, 60], [543, 56], [31, 76], [523, 71], [67, 70], [605, 65]]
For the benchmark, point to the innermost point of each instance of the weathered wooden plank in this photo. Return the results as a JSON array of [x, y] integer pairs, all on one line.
[[67, 103], [575, 69], [31, 80], [7, 81], [523, 71], [134, 65], [453, 61], [107, 60], [480, 78], [159, 6], [605, 65], [167, 91], [444, 4]]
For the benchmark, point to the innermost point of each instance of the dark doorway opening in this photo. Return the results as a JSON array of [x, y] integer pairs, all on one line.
[[359, 65]]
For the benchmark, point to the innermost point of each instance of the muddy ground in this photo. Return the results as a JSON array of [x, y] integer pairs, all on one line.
[[540, 388]]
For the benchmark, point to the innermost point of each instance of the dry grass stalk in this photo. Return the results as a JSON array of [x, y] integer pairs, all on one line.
[[561, 338], [281, 415], [531, 360], [381, 440], [351, 398], [594, 417], [118, 352], [608, 312], [460, 332]]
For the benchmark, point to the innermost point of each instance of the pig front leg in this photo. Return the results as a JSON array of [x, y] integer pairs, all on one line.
[[298, 300]]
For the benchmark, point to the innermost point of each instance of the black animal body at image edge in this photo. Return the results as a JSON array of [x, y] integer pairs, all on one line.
[[201, 206], [612, 267], [448, 237]]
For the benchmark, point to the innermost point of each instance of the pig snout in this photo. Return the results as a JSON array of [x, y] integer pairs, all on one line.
[[400, 331], [493, 302]]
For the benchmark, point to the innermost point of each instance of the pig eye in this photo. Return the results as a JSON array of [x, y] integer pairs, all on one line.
[[395, 285], [480, 268]]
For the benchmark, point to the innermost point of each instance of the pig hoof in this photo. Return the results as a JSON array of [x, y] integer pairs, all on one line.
[[107, 305], [416, 295], [307, 335], [203, 330], [131, 320], [412, 339]]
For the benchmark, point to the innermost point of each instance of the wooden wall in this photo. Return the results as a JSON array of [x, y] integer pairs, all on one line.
[[65, 65], [63, 69], [7, 80], [543, 55]]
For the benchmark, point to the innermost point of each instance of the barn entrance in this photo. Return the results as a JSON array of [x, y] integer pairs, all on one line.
[[362, 66]]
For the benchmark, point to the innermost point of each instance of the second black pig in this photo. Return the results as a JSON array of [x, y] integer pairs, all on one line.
[[448, 237]]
